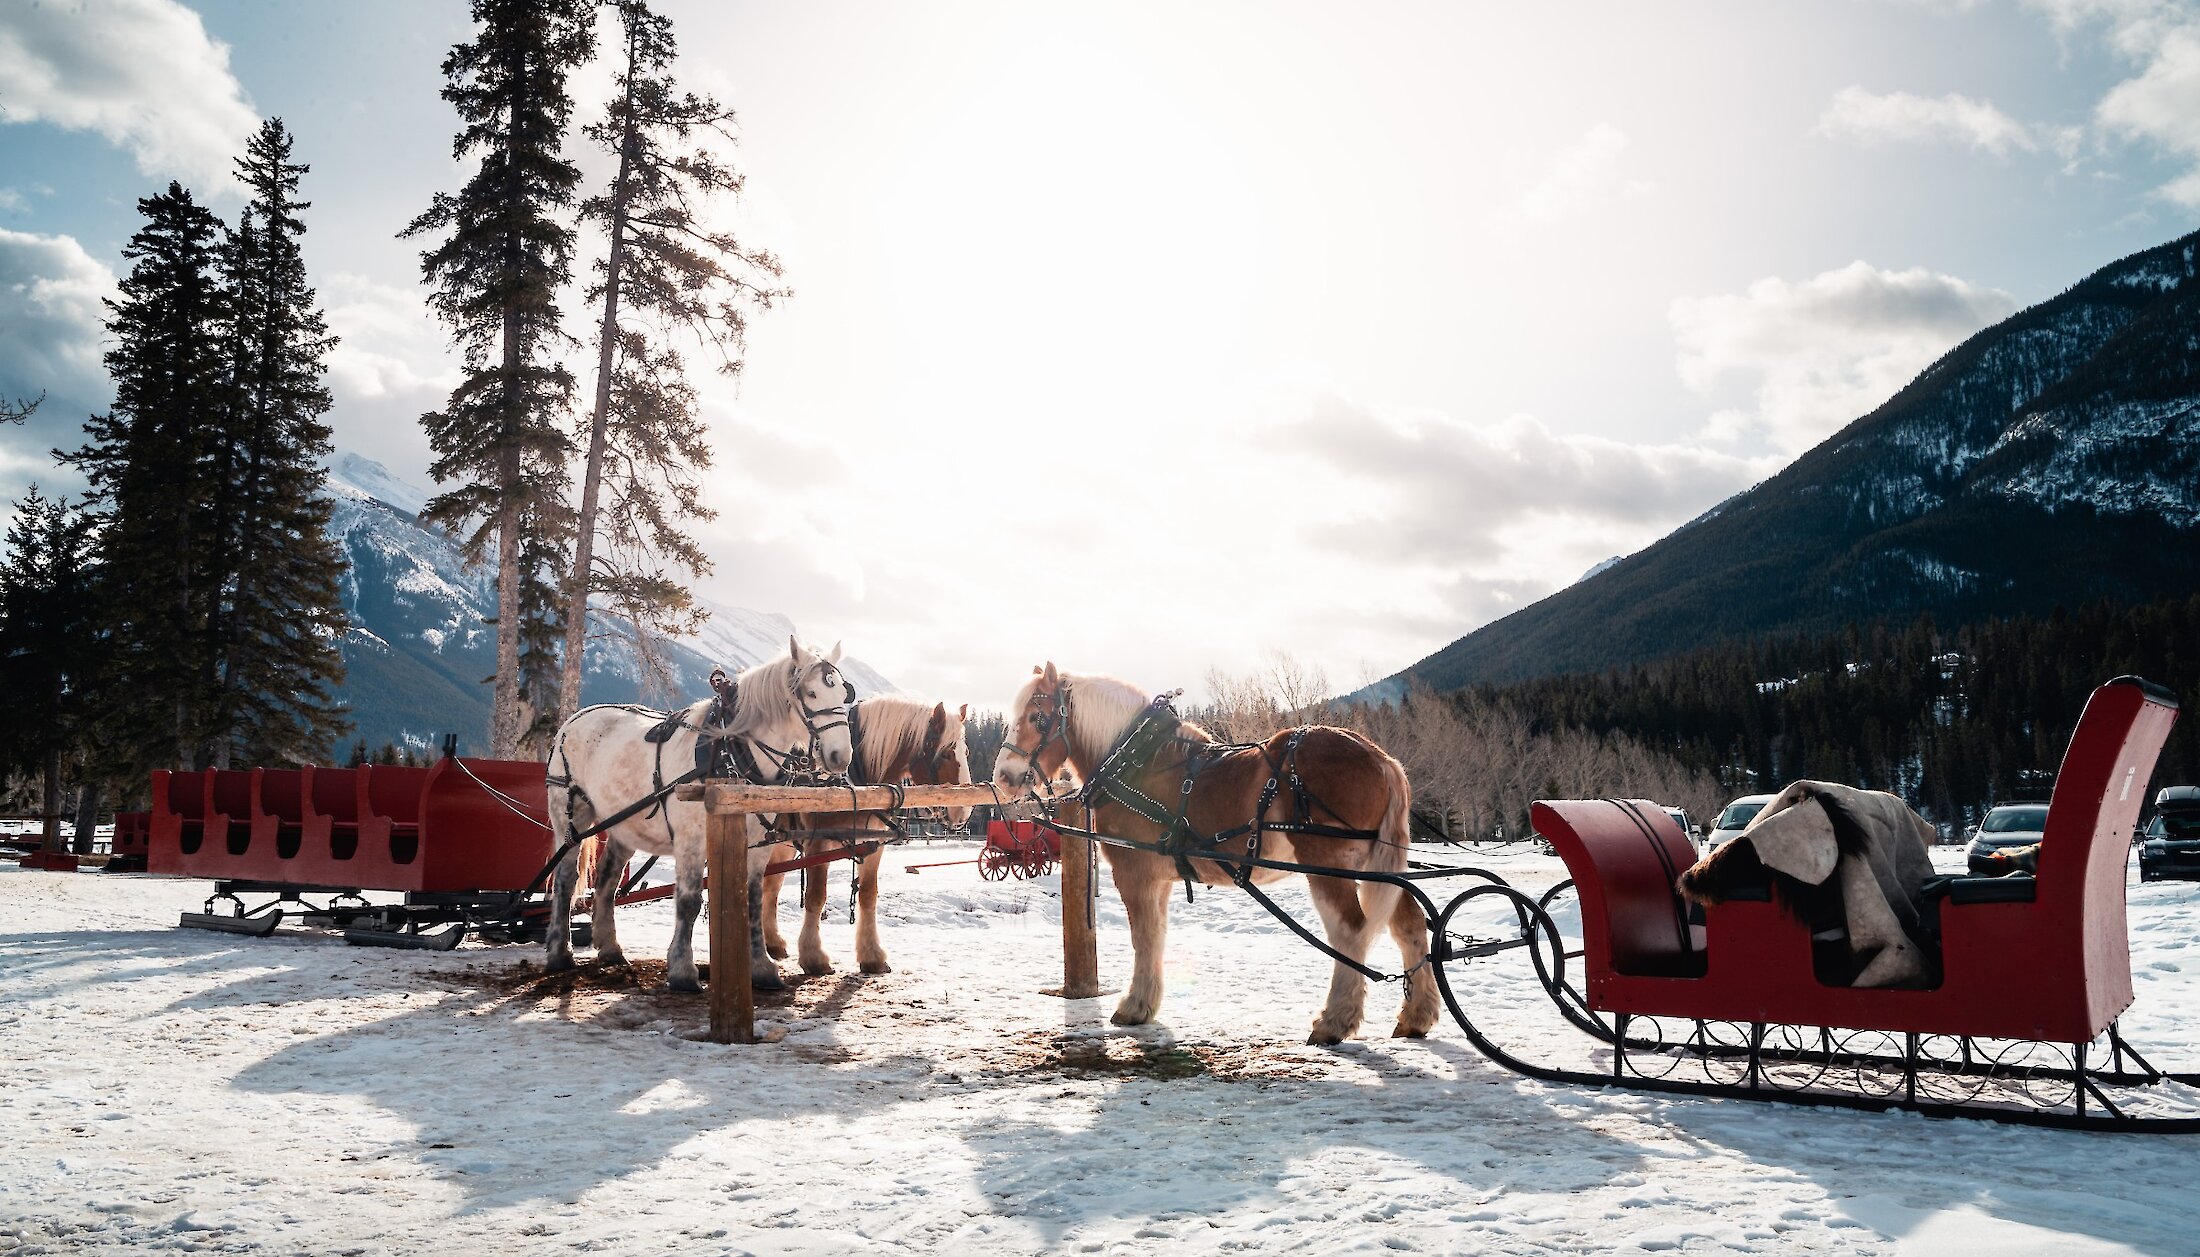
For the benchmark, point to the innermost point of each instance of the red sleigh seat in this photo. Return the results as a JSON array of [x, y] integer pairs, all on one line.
[[2055, 966]]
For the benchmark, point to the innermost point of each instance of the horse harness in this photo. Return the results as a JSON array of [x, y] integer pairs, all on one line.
[[1134, 754], [718, 755]]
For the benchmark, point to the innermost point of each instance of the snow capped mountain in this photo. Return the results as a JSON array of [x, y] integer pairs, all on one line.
[[1603, 565], [421, 642], [2052, 459]]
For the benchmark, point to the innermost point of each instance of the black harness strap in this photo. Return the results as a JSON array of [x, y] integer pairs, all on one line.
[[1134, 753], [1241, 873]]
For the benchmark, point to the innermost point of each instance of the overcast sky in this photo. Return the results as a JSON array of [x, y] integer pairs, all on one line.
[[1150, 338]]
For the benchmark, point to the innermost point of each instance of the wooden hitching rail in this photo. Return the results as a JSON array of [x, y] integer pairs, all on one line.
[[728, 806]]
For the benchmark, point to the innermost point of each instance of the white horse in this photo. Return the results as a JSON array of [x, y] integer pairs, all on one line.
[[896, 739], [603, 761]]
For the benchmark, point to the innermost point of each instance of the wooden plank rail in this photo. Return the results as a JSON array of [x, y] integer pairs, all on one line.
[[729, 804], [720, 796]]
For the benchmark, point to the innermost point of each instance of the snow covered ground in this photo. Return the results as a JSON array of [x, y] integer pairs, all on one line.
[[174, 1090]]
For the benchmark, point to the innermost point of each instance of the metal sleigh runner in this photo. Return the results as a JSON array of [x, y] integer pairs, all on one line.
[[2018, 1023]]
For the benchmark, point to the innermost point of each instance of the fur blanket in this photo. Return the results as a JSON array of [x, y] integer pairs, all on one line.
[[1846, 861]]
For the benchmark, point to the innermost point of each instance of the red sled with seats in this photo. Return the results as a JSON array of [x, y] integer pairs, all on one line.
[[461, 840], [2020, 1025]]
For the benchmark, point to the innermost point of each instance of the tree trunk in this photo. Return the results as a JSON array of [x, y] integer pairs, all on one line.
[[87, 818], [504, 713], [584, 542], [51, 803]]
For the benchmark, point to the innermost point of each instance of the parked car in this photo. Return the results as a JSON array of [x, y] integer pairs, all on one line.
[[1734, 818], [1681, 818], [2169, 847], [2005, 828]]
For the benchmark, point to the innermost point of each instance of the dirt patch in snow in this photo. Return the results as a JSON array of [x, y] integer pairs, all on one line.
[[1125, 1055], [631, 996]]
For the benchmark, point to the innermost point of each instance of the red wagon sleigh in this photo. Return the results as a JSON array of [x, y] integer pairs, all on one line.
[[457, 839], [2021, 1025]]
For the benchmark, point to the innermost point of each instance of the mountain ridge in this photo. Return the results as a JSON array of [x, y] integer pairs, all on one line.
[[420, 641], [2050, 459]]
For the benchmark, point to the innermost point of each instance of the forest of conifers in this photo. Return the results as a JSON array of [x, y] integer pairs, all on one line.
[[1953, 720]]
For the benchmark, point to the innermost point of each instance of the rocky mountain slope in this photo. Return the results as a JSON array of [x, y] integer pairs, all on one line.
[[420, 645], [2052, 459]]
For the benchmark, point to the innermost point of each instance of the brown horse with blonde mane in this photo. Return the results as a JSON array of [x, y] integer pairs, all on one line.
[[894, 739], [1337, 780]]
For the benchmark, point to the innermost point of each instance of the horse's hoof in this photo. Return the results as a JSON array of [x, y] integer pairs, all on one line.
[[1127, 1014], [1404, 1031], [610, 958], [777, 951], [1330, 1033], [685, 985], [766, 980], [877, 966], [817, 967], [558, 964]]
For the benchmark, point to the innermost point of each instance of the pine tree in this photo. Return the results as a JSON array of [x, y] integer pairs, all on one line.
[[275, 634], [664, 272], [502, 254], [145, 462], [48, 642]]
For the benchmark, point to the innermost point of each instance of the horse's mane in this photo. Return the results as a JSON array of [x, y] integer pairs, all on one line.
[[765, 693], [893, 725], [1100, 709]]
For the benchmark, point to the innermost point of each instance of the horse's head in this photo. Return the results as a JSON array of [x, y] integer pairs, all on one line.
[[943, 757], [823, 695], [1037, 744]]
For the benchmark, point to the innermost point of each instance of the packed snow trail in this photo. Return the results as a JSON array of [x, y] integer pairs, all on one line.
[[175, 1090]]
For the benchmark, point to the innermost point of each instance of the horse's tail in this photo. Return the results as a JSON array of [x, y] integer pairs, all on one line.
[[1396, 831], [572, 813]]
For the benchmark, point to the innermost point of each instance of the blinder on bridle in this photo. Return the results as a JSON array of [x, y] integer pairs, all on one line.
[[1054, 727], [844, 710]]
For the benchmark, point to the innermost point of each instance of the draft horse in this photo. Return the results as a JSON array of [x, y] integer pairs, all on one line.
[[896, 739], [1261, 798], [607, 759]]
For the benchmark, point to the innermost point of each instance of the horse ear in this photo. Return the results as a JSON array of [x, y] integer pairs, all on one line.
[[962, 714], [939, 720], [834, 657], [1053, 678], [794, 648]]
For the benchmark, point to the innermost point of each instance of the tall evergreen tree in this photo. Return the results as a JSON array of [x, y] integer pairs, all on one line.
[[47, 642], [501, 256], [666, 272], [274, 634], [144, 461]]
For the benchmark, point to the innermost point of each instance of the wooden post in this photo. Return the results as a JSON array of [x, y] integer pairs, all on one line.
[[1080, 950], [732, 1003]]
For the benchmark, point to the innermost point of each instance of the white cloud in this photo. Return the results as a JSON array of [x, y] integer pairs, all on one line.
[[142, 73], [1580, 175], [1826, 350], [1483, 518], [51, 316], [2162, 104], [1868, 117], [387, 345], [12, 201]]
